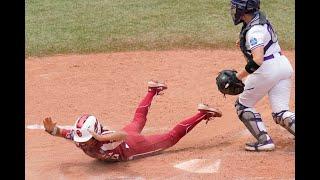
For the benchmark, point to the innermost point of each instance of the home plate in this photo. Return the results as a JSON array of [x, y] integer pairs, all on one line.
[[200, 165]]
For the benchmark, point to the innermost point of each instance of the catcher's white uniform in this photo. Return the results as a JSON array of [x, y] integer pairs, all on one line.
[[273, 77]]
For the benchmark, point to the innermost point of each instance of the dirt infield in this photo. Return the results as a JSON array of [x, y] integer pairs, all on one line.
[[109, 86]]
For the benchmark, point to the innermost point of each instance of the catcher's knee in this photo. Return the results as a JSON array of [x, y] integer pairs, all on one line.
[[245, 113], [286, 119]]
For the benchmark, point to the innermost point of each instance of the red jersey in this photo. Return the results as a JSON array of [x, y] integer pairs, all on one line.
[[107, 151], [137, 145]]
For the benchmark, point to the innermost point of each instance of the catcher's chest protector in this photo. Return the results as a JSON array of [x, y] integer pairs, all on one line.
[[245, 28]]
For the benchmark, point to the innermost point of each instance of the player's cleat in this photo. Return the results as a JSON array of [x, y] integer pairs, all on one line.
[[155, 85], [205, 107], [211, 113], [257, 146]]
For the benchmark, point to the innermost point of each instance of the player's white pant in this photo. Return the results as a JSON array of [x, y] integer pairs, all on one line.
[[273, 77]]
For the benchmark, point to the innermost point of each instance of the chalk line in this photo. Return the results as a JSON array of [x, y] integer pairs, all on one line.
[[41, 127], [38, 126], [200, 165]]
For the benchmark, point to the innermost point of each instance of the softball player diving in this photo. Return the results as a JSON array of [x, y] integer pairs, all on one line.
[[127, 144]]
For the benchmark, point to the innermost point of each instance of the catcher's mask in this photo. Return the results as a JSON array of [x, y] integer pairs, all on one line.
[[241, 7], [82, 125]]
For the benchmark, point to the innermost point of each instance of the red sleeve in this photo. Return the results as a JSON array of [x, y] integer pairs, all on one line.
[[67, 133]]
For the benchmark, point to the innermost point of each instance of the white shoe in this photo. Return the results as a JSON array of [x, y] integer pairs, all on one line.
[[257, 146], [155, 85], [211, 113], [205, 107]]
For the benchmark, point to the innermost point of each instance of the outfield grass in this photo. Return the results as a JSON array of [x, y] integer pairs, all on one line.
[[82, 26]]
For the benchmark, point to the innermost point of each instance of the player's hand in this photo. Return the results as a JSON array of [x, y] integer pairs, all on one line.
[[49, 124], [242, 74], [238, 43]]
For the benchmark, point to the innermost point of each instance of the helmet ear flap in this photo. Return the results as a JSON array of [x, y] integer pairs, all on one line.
[[252, 6]]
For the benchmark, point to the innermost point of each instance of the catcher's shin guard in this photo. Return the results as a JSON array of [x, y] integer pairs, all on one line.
[[252, 120], [286, 119]]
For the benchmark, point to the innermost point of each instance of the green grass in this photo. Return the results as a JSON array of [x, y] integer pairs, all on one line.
[[82, 26]]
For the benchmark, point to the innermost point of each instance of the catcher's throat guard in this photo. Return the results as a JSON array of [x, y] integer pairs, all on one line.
[[228, 83]]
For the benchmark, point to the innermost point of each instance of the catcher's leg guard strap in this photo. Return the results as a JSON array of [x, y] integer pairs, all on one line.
[[286, 119], [252, 120]]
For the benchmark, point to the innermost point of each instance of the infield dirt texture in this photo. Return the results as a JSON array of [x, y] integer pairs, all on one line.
[[97, 56]]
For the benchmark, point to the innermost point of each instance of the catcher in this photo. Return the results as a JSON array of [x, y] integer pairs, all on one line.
[[127, 143], [267, 71]]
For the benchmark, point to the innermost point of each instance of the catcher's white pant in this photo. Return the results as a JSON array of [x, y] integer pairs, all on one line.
[[273, 77]]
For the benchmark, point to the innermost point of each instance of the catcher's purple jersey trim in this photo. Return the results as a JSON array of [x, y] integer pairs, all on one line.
[[270, 57]]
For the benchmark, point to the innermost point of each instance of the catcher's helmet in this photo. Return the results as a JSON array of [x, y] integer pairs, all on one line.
[[240, 7], [83, 124]]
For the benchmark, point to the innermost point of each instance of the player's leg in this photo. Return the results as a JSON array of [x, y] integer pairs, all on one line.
[[185, 126], [140, 116], [148, 145], [279, 97], [253, 122], [257, 86]]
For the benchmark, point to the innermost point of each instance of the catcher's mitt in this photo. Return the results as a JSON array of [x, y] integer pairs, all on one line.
[[228, 83]]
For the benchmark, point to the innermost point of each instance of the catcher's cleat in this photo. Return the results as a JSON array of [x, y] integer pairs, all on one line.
[[211, 113], [257, 146], [155, 85]]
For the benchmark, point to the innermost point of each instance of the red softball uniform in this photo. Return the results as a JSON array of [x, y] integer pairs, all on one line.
[[137, 145]]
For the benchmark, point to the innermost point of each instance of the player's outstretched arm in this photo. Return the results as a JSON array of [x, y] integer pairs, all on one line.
[[114, 136], [52, 128]]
